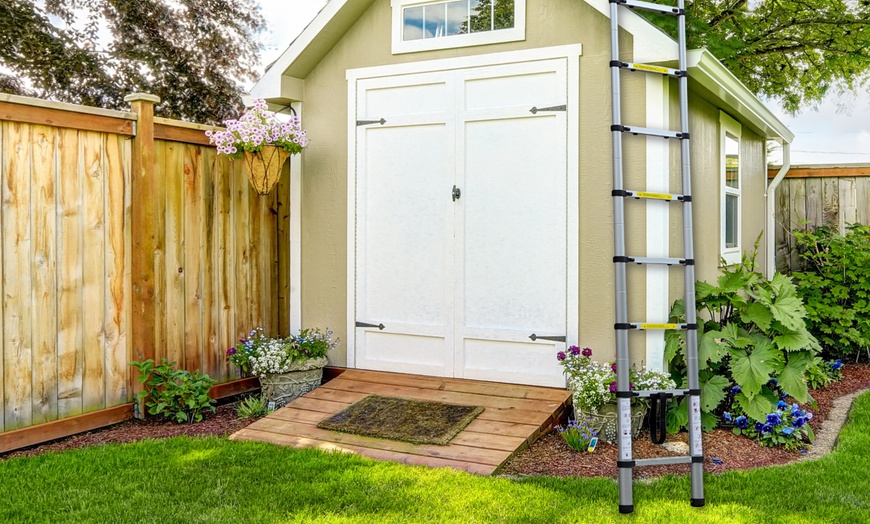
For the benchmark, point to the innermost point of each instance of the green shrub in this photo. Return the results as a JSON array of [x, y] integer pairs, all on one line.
[[752, 345], [253, 407], [822, 374], [835, 285], [174, 394]]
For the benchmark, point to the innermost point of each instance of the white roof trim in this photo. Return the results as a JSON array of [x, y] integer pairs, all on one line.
[[720, 86], [650, 45]]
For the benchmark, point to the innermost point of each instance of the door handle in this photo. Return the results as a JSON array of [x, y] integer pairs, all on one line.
[[456, 193]]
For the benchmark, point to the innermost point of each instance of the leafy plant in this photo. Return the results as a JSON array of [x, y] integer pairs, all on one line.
[[835, 284], [174, 394], [576, 435], [822, 374], [253, 407], [260, 354], [751, 336]]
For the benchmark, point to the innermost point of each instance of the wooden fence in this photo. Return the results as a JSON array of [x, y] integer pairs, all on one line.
[[819, 195], [124, 237]]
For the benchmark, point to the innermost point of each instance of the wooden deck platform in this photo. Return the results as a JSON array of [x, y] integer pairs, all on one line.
[[514, 417]]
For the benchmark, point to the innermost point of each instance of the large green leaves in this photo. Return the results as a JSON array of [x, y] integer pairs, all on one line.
[[713, 392], [758, 406], [791, 374], [753, 368]]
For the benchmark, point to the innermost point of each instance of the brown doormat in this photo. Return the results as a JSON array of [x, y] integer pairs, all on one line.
[[395, 418]]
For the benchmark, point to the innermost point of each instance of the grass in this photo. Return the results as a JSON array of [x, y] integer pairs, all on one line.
[[213, 480]]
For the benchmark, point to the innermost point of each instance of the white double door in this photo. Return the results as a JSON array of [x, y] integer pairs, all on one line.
[[460, 223]]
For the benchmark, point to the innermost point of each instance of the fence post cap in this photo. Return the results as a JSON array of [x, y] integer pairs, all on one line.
[[136, 97]]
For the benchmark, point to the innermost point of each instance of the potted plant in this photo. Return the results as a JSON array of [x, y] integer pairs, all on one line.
[[287, 367], [263, 141], [593, 389]]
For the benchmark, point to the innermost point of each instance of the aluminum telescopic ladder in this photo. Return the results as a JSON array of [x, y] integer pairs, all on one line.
[[623, 326]]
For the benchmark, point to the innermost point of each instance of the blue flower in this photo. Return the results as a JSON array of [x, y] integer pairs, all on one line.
[[837, 364], [783, 396], [787, 430], [799, 422], [759, 426], [727, 417], [809, 416], [773, 382], [781, 405], [774, 419], [795, 409], [741, 422], [767, 428], [735, 390]]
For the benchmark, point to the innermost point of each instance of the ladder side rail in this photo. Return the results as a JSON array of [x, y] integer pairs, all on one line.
[[626, 504], [695, 446]]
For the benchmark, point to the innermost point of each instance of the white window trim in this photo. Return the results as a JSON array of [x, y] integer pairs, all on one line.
[[731, 255], [399, 46]]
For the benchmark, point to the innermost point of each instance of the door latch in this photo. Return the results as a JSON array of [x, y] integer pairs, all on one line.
[[456, 193]]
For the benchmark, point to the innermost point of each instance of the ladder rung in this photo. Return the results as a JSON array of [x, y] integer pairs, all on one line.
[[664, 133], [648, 325], [652, 196], [652, 260], [646, 68], [649, 6], [650, 392], [663, 461]]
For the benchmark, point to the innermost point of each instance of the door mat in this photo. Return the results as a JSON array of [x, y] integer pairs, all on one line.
[[403, 419]]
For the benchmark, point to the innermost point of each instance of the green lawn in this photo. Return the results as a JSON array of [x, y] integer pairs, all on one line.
[[215, 480]]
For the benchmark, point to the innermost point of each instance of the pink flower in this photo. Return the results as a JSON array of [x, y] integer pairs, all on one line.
[[587, 352], [561, 355], [574, 350], [613, 387]]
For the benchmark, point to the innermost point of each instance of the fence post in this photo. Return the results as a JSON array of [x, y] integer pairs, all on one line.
[[144, 236]]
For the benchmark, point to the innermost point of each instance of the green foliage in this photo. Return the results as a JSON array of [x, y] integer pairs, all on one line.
[[835, 285], [253, 407], [752, 343], [174, 394], [194, 55], [822, 374], [787, 426], [577, 435], [791, 51]]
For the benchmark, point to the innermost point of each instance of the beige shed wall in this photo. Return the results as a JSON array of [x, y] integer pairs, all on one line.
[[324, 194]]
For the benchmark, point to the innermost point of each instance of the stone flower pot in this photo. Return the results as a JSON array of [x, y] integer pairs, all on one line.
[[282, 388], [604, 422]]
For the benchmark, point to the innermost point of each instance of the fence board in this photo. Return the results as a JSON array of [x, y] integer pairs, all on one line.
[[69, 256], [117, 233], [797, 215], [862, 189], [43, 211], [848, 203], [160, 268], [210, 318], [813, 199], [93, 275], [17, 319], [175, 270], [192, 184], [226, 275], [831, 200], [244, 295]]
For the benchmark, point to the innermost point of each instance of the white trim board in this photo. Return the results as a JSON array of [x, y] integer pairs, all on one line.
[[296, 167], [572, 54]]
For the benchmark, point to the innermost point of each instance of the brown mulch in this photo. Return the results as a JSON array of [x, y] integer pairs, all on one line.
[[548, 456], [551, 456]]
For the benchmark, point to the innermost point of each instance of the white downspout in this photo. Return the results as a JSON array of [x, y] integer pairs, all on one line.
[[771, 209]]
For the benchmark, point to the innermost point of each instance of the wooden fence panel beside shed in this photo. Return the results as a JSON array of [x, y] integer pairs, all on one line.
[[215, 261]]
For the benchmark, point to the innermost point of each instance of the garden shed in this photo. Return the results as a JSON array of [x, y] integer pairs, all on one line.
[[454, 203]]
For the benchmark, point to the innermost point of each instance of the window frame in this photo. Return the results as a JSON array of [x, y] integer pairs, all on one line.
[[400, 46], [730, 126]]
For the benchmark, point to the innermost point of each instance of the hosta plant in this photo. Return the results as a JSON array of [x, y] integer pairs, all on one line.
[[751, 331]]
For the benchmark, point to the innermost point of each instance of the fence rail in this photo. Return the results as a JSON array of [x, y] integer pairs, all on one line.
[[815, 196], [110, 255]]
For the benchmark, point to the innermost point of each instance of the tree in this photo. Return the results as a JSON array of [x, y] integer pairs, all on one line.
[[193, 54], [794, 52]]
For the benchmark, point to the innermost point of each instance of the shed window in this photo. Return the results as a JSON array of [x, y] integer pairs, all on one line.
[[421, 26], [730, 201]]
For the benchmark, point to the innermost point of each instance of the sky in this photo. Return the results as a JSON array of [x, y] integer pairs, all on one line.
[[838, 131]]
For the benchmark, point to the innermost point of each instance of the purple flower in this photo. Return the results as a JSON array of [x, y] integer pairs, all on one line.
[[613, 367], [759, 426], [735, 390], [799, 422], [587, 352], [741, 422], [574, 350], [561, 355], [774, 419], [613, 387], [231, 351], [767, 428]]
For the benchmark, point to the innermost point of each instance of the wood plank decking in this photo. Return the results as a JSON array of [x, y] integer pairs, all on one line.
[[514, 417]]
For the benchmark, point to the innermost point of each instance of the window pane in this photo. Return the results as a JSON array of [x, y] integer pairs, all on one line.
[[457, 17], [434, 21], [504, 14], [731, 221], [481, 16], [413, 21], [732, 161]]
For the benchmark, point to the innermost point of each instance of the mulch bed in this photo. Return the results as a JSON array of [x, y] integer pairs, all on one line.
[[548, 456], [551, 456]]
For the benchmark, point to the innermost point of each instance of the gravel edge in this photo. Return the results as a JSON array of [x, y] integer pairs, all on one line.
[[826, 437]]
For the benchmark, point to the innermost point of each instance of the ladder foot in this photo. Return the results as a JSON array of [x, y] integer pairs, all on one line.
[[697, 503], [626, 508]]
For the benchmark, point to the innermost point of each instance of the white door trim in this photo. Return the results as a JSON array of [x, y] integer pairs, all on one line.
[[572, 54]]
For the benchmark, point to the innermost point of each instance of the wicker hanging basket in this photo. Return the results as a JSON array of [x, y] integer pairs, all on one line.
[[264, 167]]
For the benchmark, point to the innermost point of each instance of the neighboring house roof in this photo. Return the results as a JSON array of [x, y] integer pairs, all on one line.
[[282, 82]]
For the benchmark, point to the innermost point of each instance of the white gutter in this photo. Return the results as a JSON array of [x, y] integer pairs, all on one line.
[[771, 209]]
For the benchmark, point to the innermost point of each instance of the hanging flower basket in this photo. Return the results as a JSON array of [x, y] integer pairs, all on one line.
[[263, 141], [264, 167]]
